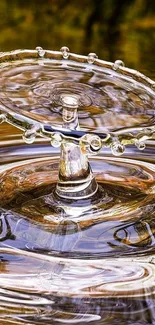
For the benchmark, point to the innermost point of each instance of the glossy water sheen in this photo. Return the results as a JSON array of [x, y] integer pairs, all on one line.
[[96, 268], [107, 100], [75, 262]]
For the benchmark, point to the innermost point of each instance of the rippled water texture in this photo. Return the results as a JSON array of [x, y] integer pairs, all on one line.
[[108, 101], [86, 261]]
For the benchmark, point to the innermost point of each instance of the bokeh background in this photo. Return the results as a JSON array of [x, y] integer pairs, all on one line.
[[114, 29]]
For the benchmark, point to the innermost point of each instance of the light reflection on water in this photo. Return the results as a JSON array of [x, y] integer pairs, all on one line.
[[98, 268], [53, 275]]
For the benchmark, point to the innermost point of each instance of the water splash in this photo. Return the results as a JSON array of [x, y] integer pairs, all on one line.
[[89, 259]]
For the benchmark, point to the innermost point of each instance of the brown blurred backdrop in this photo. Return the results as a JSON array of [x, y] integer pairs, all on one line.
[[114, 29]]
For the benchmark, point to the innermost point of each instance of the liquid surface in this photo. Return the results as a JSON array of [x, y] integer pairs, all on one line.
[[75, 262], [97, 269], [108, 101]]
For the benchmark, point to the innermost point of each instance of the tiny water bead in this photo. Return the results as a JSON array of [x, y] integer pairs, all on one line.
[[65, 52], [29, 137], [41, 51], [56, 140], [140, 144], [90, 144], [117, 64], [92, 57], [117, 148], [153, 85], [2, 118], [95, 143]]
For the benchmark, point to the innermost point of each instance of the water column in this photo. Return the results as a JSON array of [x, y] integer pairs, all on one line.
[[76, 180]]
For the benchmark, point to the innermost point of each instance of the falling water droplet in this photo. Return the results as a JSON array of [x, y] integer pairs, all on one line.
[[41, 51], [2, 118], [56, 140], [65, 52], [117, 148], [117, 64], [92, 57], [140, 144], [29, 136]]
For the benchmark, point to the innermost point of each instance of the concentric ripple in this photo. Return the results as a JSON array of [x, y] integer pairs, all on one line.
[[76, 261], [60, 266], [107, 100], [119, 219], [42, 274], [31, 285]]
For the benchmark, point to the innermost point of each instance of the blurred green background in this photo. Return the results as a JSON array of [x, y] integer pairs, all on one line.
[[114, 29]]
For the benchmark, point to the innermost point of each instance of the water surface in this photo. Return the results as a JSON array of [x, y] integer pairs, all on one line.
[[84, 261]]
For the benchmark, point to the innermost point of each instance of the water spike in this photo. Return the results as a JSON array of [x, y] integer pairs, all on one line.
[[92, 57], [117, 64], [65, 52], [76, 179], [41, 51]]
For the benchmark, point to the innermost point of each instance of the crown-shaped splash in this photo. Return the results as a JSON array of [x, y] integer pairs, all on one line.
[[71, 102]]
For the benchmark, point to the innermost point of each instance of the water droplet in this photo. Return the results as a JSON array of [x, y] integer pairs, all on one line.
[[153, 86], [65, 52], [90, 144], [2, 118], [117, 64], [95, 143], [140, 144], [41, 51], [117, 148], [92, 57], [84, 144], [149, 132], [56, 140], [29, 137]]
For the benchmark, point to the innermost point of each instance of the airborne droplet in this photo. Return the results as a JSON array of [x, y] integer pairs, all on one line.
[[117, 64], [56, 140], [65, 52], [95, 143], [92, 57], [140, 144], [41, 51], [117, 148], [29, 137], [2, 118]]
